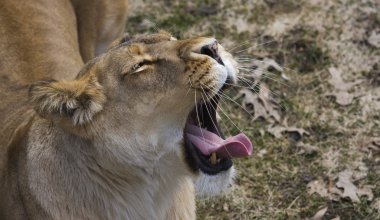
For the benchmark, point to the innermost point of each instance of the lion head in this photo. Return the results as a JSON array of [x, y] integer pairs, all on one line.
[[150, 96]]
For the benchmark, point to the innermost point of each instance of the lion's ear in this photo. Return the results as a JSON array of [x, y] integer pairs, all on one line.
[[78, 100]]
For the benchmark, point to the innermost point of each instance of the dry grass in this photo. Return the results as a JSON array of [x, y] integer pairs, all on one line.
[[307, 38]]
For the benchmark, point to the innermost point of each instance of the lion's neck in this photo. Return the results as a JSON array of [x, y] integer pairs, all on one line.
[[110, 175]]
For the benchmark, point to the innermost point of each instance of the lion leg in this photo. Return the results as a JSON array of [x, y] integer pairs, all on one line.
[[99, 23]]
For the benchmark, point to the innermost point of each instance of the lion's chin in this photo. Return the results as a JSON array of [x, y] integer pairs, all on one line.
[[213, 185]]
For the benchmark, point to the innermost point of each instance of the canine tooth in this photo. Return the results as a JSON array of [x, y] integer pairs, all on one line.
[[213, 158]]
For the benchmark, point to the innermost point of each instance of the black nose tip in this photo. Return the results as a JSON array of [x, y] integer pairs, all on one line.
[[211, 50]]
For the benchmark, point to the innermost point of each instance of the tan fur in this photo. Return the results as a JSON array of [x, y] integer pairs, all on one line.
[[56, 98], [100, 141], [99, 23], [184, 202]]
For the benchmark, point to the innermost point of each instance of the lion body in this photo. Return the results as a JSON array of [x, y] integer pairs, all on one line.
[[44, 172], [102, 140]]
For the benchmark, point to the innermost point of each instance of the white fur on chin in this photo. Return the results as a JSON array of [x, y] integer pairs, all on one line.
[[213, 185]]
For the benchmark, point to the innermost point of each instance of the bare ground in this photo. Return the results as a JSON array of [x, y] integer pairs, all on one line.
[[309, 98]]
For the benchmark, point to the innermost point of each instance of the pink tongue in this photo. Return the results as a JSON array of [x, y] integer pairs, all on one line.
[[208, 142]]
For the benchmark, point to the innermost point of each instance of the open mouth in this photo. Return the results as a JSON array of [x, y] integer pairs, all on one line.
[[205, 145]]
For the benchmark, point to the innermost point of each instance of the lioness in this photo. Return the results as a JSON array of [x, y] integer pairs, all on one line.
[[125, 136]]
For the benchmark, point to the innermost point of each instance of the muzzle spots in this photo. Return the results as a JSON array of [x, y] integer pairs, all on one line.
[[200, 74]]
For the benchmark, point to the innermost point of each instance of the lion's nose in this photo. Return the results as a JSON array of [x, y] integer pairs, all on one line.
[[211, 50]]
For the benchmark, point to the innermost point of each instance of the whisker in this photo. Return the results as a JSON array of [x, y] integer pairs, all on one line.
[[229, 154], [270, 92], [257, 45], [153, 23], [238, 86], [215, 109], [246, 69], [247, 82], [209, 111], [187, 93], [224, 112], [246, 59], [243, 44], [241, 57], [229, 98], [252, 86], [264, 74], [267, 62], [267, 74], [199, 122]]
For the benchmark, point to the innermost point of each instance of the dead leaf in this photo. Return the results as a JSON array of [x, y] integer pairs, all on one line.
[[374, 39], [251, 102], [278, 131], [259, 105], [343, 98], [330, 159], [274, 64], [359, 175], [376, 205], [262, 66], [360, 172], [371, 147], [337, 81], [285, 77], [226, 207], [262, 153], [366, 191], [319, 215], [370, 102], [335, 193], [376, 142], [268, 101], [297, 133], [341, 88], [307, 148], [318, 187], [349, 189]]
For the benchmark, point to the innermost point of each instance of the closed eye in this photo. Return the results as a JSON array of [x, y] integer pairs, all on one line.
[[141, 66]]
